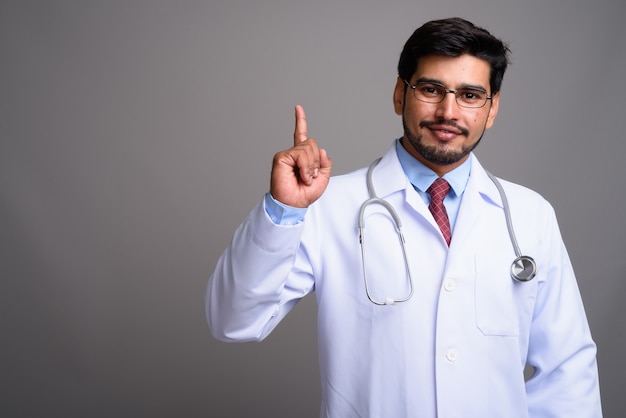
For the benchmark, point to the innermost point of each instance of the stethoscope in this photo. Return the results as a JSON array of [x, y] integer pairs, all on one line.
[[523, 268]]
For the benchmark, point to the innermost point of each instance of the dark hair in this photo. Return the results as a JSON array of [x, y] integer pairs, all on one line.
[[454, 37]]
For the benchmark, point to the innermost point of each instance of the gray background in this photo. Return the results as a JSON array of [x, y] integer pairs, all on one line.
[[136, 136]]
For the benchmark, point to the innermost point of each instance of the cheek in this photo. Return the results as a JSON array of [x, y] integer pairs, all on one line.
[[420, 113], [479, 119]]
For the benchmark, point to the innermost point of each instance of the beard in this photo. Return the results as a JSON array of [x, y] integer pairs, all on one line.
[[437, 155]]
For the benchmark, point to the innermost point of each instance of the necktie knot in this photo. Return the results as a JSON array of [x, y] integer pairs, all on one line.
[[438, 191]]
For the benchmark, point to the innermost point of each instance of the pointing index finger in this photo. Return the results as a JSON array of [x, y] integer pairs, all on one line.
[[300, 133]]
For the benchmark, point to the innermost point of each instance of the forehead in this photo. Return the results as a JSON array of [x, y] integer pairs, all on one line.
[[454, 71]]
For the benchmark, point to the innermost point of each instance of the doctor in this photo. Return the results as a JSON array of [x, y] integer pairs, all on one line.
[[457, 331]]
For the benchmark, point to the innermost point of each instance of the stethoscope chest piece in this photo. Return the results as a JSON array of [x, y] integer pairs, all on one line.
[[523, 268]]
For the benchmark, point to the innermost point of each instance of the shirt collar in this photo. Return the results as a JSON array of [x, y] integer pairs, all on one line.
[[422, 177]]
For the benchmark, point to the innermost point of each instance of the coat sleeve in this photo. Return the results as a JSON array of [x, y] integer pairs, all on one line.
[[561, 350], [253, 287]]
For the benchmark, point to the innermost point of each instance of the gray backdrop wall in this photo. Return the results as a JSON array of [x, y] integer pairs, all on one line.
[[136, 135]]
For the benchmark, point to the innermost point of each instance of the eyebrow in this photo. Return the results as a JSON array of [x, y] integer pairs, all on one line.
[[439, 83]]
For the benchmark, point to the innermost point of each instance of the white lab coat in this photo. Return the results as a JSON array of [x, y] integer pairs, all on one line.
[[458, 347]]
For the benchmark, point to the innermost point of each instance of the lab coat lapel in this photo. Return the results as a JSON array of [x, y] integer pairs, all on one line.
[[479, 191], [389, 178]]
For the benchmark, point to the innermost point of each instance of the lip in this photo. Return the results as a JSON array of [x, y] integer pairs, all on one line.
[[444, 132]]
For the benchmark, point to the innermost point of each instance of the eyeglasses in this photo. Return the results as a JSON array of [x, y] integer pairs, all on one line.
[[428, 92]]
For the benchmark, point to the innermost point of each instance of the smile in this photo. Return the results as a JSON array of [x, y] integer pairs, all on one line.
[[452, 131], [447, 128]]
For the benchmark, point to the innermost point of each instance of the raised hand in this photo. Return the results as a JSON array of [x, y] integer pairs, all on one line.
[[300, 174]]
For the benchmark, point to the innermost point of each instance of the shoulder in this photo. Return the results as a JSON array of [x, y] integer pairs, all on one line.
[[516, 194], [523, 193], [349, 178], [346, 187], [522, 196]]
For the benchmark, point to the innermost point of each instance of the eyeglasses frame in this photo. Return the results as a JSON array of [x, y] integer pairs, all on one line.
[[443, 96]]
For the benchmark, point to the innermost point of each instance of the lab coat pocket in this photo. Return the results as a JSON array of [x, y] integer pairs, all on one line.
[[494, 297]]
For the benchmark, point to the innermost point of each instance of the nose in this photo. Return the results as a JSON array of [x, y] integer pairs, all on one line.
[[448, 108]]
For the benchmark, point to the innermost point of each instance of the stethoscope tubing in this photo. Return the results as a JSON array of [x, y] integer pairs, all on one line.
[[523, 268]]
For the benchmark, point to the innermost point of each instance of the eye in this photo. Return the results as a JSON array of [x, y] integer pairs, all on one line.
[[430, 90], [471, 96]]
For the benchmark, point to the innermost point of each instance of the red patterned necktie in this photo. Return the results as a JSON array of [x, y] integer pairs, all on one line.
[[438, 191]]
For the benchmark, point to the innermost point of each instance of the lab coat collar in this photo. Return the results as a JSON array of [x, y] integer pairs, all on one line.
[[479, 193], [479, 182], [395, 180]]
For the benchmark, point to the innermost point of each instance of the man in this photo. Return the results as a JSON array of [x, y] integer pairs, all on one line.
[[441, 330]]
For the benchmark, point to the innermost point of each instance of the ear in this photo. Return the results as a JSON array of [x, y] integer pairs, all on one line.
[[493, 110], [398, 96]]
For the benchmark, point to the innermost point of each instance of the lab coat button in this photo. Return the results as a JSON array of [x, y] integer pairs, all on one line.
[[449, 285], [451, 355]]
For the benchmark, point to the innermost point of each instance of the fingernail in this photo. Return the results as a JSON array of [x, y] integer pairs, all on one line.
[[316, 172]]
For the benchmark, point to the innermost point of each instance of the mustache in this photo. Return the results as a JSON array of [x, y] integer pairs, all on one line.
[[444, 122]]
